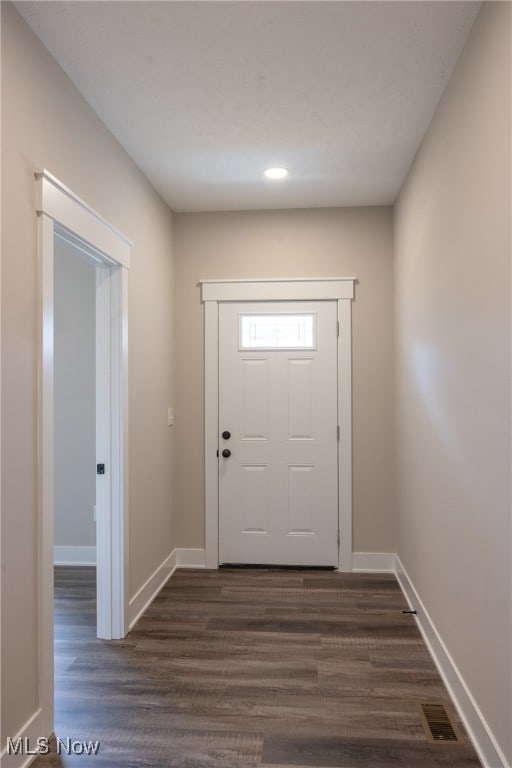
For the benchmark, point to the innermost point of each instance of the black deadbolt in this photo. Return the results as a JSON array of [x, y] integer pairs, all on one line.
[[100, 469], [226, 435], [226, 453]]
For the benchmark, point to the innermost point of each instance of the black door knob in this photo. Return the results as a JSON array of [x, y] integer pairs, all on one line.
[[226, 453], [226, 435]]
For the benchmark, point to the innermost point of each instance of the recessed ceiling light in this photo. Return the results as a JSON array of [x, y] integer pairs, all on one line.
[[276, 173]]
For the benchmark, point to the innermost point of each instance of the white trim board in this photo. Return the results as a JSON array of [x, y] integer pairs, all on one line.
[[150, 589], [373, 562], [214, 292], [190, 558], [476, 726], [82, 222], [292, 289], [178, 558], [74, 555]]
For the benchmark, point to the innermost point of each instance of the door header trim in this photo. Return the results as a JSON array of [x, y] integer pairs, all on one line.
[[279, 289], [85, 225]]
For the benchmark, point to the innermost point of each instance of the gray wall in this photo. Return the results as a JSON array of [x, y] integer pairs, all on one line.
[[75, 402], [453, 336], [301, 243]]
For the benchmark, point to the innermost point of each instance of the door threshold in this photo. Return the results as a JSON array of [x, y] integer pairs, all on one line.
[[271, 567]]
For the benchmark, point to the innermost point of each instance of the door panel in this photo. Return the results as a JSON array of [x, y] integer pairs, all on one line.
[[301, 399], [278, 488], [254, 399], [301, 500], [254, 498]]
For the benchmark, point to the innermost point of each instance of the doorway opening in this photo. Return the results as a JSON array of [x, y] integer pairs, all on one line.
[[75, 617], [74, 407], [70, 229]]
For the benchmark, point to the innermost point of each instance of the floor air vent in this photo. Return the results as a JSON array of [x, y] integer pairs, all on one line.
[[438, 725]]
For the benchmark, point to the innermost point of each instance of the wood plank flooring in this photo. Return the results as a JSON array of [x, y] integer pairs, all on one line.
[[250, 668]]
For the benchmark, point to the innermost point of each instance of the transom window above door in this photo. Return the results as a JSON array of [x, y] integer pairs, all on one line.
[[278, 331]]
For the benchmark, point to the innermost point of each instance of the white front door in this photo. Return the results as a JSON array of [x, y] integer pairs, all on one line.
[[278, 445]]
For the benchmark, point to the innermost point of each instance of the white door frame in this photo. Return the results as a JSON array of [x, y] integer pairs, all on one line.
[[315, 289], [62, 214]]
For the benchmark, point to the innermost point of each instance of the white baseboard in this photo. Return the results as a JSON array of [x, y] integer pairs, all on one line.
[[150, 589], [476, 726], [190, 558], [63, 555], [373, 561], [179, 558], [26, 737]]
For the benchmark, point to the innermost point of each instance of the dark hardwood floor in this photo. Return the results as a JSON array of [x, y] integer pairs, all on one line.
[[250, 668]]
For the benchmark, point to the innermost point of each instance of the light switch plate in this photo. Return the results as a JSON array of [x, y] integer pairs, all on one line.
[[170, 417]]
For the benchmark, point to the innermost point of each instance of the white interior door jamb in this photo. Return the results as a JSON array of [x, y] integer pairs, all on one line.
[[61, 213], [345, 440]]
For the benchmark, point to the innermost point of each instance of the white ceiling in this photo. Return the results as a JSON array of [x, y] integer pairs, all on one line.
[[205, 95]]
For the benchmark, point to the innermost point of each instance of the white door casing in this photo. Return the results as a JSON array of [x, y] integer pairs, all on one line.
[[278, 488], [62, 214], [216, 292]]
